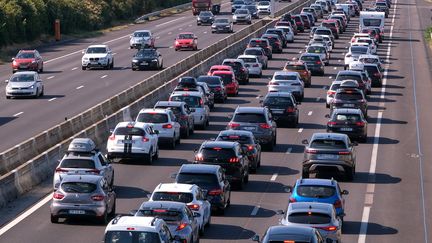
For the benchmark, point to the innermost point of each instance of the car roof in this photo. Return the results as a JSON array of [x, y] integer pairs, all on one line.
[[174, 187], [310, 54], [246, 56], [297, 62], [322, 135], [221, 144], [232, 60], [31, 51], [298, 207], [138, 31], [186, 33], [139, 223], [134, 124], [81, 145], [199, 168], [24, 73], [154, 110], [91, 46], [278, 94], [81, 178], [170, 205], [170, 103], [235, 132], [318, 182], [299, 233], [350, 72], [249, 109]]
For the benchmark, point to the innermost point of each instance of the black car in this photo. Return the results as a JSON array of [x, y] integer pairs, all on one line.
[[205, 17], [352, 75], [349, 98], [188, 82], [212, 179], [275, 42], [283, 108], [280, 33], [348, 121], [222, 25], [290, 233], [240, 70], [263, 43], [183, 114], [147, 59], [215, 83], [230, 156], [375, 74], [249, 144], [252, 10], [313, 62]]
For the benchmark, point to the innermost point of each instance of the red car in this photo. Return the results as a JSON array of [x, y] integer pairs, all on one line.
[[219, 68], [27, 60], [186, 40], [229, 80]]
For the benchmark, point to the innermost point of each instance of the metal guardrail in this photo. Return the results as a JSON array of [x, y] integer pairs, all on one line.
[[162, 13]]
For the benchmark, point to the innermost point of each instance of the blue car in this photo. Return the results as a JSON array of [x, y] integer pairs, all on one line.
[[319, 190]]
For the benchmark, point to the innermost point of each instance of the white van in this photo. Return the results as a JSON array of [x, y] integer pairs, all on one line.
[[370, 19]]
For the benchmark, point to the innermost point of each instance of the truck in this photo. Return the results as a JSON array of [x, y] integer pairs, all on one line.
[[206, 5], [370, 19]]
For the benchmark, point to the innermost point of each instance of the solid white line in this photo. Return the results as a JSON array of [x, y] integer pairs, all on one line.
[[24, 215], [288, 150], [363, 226], [19, 113], [330, 77], [369, 199], [255, 210], [273, 178], [52, 99], [310, 113], [75, 68], [169, 33], [174, 20], [50, 77], [104, 76], [374, 156], [339, 60], [80, 87], [300, 130]]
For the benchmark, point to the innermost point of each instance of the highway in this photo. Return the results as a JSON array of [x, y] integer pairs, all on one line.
[[389, 199]]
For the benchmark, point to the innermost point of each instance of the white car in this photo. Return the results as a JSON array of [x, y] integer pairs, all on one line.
[[27, 83], [97, 56], [192, 195], [142, 39], [252, 64], [289, 33], [133, 140], [331, 92], [369, 41], [358, 35], [197, 105], [354, 53], [284, 81], [165, 122], [263, 7]]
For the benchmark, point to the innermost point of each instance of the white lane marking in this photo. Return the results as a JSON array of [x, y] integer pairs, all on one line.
[[171, 47], [363, 226], [274, 176], [116, 39], [300, 130], [52, 99], [50, 77], [169, 33], [318, 99], [75, 68], [310, 113], [60, 57], [330, 77], [255, 210], [339, 60], [174, 20], [80, 87], [205, 32], [288, 150], [370, 188], [369, 199], [190, 25], [24, 215], [180, 28], [104, 76], [19, 113]]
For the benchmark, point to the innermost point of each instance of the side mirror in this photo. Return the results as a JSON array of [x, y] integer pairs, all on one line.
[[327, 116], [133, 212], [83, 52], [212, 139], [345, 192], [255, 238], [280, 212], [13, 58], [305, 141], [111, 130]]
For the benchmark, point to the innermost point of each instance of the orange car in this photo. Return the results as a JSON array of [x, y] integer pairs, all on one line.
[[186, 40], [302, 69]]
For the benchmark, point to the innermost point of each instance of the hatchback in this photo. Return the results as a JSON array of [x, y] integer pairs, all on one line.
[[259, 53], [287, 82], [182, 113], [350, 122], [229, 80], [314, 63], [30, 60], [24, 84], [264, 44], [283, 107], [216, 86], [252, 64], [197, 105]]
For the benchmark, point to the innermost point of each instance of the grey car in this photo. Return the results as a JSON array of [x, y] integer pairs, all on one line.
[[183, 114], [205, 17], [329, 152], [257, 120], [290, 233], [259, 53], [321, 216], [24, 84], [252, 9], [222, 25], [81, 196], [242, 15]]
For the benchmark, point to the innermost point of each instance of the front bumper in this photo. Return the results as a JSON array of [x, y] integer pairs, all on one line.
[[144, 64], [21, 92]]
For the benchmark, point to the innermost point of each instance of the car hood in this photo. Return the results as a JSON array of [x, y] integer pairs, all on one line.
[[20, 84], [138, 39], [95, 55], [263, 7]]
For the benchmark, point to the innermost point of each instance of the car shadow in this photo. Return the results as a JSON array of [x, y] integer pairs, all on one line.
[[375, 178], [4, 120], [353, 228], [230, 232], [48, 97], [386, 121], [280, 170], [240, 210], [51, 71], [129, 192], [293, 148], [306, 125]]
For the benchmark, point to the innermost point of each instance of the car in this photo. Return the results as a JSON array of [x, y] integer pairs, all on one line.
[[370, 42], [264, 7], [310, 17], [283, 81], [248, 143], [187, 82], [306, 21], [354, 53], [288, 33], [242, 15], [322, 40], [230, 156], [301, 68], [257, 120], [183, 223], [222, 25], [354, 75], [205, 17], [240, 70], [252, 64], [182, 113], [325, 31], [216, 86], [229, 81], [219, 68], [359, 35], [291, 233], [314, 63], [253, 10], [341, 20], [283, 107], [333, 26], [373, 33], [323, 3], [30, 60], [165, 122], [131, 140], [97, 56], [349, 97], [329, 152], [208, 93], [190, 194], [319, 190], [320, 49], [319, 10], [142, 39], [331, 92], [186, 40], [24, 84], [288, 23], [130, 229], [264, 44], [348, 121], [211, 179], [197, 105], [237, 4], [371, 59], [259, 53], [321, 216], [374, 71], [310, 10], [275, 42], [83, 196], [83, 158], [147, 59], [278, 32]]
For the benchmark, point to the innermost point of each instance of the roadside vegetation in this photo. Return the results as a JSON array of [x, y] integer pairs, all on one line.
[[427, 35]]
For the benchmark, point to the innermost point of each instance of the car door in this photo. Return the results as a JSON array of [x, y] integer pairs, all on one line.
[[152, 136], [223, 184], [109, 199], [205, 204], [175, 123], [271, 121], [106, 167]]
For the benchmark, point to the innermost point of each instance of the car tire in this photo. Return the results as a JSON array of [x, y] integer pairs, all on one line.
[[42, 93], [327, 105], [350, 172], [173, 143], [83, 68], [112, 64], [113, 211], [148, 158], [208, 222], [246, 178], [104, 219], [54, 219], [270, 146], [186, 133], [156, 155], [240, 184], [8, 97], [364, 139], [37, 94], [178, 140], [192, 130]]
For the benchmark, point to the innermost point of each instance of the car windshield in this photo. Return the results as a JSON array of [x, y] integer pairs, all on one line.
[[22, 78], [131, 237], [369, 41], [77, 163], [348, 96], [280, 101], [327, 144], [133, 131], [241, 11], [165, 214], [249, 118], [197, 179], [235, 138], [205, 14], [264, 3], [309, 218], [152, 117], [226, 78], [316, 49], [142, 34], [185, 36], [192, 101], [316, 191], [96, 50], [238, 2], [342, 77], [249, 60], [309, 58], [78, 187], [25, 55], [261, 43], [347, 117], [295, 67], [210, 80], [223, 21], [284, 77], [335, 86], [146, 53], [173, 196], [218, 153]]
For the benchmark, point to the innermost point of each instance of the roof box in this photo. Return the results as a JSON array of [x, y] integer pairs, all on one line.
[[84, 145]]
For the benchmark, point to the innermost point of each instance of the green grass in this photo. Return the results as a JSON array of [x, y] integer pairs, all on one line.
[[427, 34]]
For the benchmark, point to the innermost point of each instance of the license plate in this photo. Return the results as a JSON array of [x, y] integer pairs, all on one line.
[[346, 129], [278, 112], [348, 105], [249, 128], [144, 64], [76, 212], [184, 46], [127, 141], [327, 156]]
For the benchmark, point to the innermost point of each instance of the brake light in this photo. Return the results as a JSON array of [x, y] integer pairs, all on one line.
[[233, 125], [159, 210], [112, 137], [344, 153], [177, 43], [181, 226], [218, 88], [331, 123], [337, 204], [58, 196], [318, 62], [377, 74], [215, 192], [234, 160], [360, 124], [167, 126], [130, 228], [331, 92], [311, 151], [250, 147], [60, 170], [194, 206], [93, 171], [328, 228], [201, 102], [292, 200], [144, 139], [264, 126], [290, 109], [98, 197], [199, 157]]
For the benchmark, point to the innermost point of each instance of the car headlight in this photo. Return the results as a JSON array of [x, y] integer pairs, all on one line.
[[213, 26], [134, 60], [198, 18], [33, 62], [32, 87], [85, 59], [155, 60], [235, 17]]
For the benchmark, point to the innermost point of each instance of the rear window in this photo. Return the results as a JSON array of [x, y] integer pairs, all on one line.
[[192, 101], [359, 49], [295, 67], [316, 191], [261, 43], [348, 117], [218, 153], [316, 49], [281, 101], [152, 118], [167, 215], [134, 131], [173, 196], [323, 32], [175, 109], [284, 77], [131, 237], [235, 65], [285, 241], [327, 144], [309, 218], [78, 187], [209, 80], [342, 77], [234, 138], [226, 78], [309, 58], [348, 96], [335, 86], [198, 179], [78, 163], [249, 118], [249, 60], [371, 69], [253, 52]]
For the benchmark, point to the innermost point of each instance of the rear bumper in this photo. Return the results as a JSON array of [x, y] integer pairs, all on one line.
[[313, 166]]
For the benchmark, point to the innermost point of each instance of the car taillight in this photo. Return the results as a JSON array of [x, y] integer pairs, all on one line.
[[318, 62], [112, 137], [60, 170], [98, 197], [233, 125], [255, 65], [215, 192], [360, 124], [167, 126], [194, 206], [344, 153], [218, 89], [250, 147], [144, 139], [292, 200], [201, 102], [234, 160], [290, 109], [331, 92], [331, 123], [199, 157], [264, 126], [181, 226], [58, 196], [93, 171], [337, 204], [177, 43], [327, 228], [311, 151]]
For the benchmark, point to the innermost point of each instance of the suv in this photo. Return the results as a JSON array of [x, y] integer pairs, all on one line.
[[283, 107], [212, 179], [301, 68], [229, 155], [197, 105], [314, 63], [133, 140], [27, 60], [349, 97], [97, 56], [240, 71], [259, 53], [229, 81], [208, 93], [348, 121], [329, 151], [216, 86], [283, 81], [142, 39], [147, 59], [264, 44], [182, 113], [133, 229], [257, 120], [278, 32], [82, 158], [222, 25], [165, 122], [242, 15], [275, 42]]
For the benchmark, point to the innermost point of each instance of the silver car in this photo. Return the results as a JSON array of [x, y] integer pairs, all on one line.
[[288, 33], [242, 16], [252, 64], [259, 53], [81, 196], [283, 81], [24, 84], [197, 103], [321, 216], [142, 38]]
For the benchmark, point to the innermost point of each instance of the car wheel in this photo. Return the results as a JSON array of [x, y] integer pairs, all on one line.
[[350, 172], [83, 67], [103, 219], [246, 179], [240, 184], [178, 139], [36, 94], [113, 211], [42, 93], [208, 221], [186, 133], [207, 123], [305, 174], [327, 105], [54, 219], [112, 64], [173, 143], [8, 97], [364, 139], [148, 158], [201, 230], [156, 155], [192, 130]]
